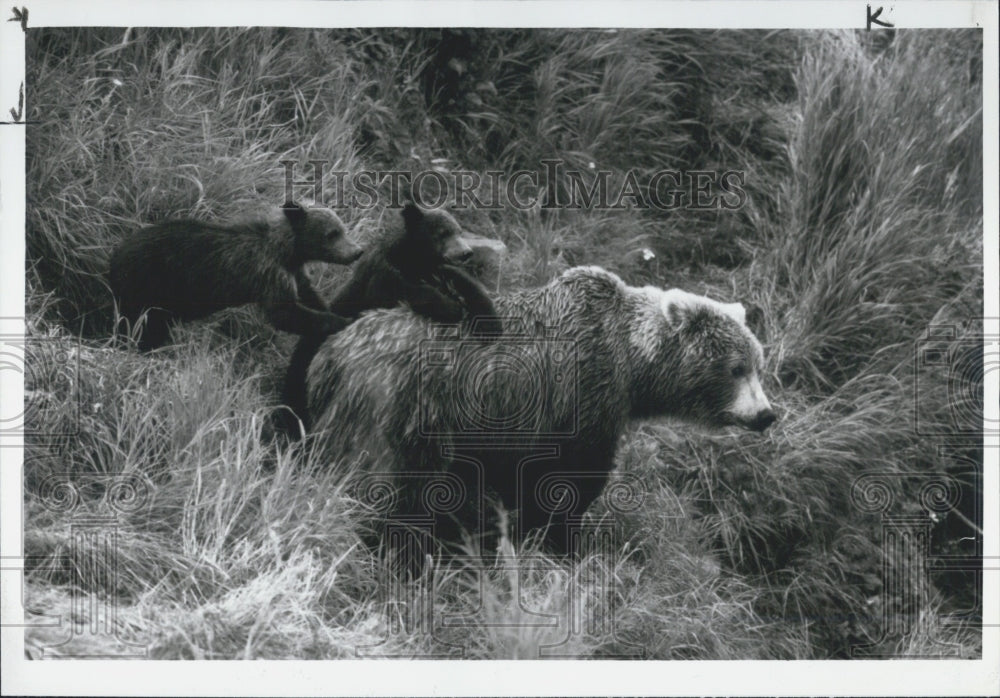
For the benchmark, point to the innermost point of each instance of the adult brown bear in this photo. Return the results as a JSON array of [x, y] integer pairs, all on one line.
[[438, 428]]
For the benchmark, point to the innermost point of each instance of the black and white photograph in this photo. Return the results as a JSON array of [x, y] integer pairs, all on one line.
[[514, 336]]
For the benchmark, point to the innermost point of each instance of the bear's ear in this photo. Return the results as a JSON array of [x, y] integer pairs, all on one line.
[[755, 321], [736, 311], [294, 213], [677, 306], [412, 216]]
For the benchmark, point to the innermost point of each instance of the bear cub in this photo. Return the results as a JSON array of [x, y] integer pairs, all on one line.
[[414, 267], [187, 269]]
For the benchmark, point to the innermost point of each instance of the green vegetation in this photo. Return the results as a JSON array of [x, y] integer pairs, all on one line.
[[862, 229]]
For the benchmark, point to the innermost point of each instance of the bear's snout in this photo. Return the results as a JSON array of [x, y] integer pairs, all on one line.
[[457, 250], [763, 419], [345, 251]]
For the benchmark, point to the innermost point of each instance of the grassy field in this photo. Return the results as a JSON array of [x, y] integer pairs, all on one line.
[[862, 231]]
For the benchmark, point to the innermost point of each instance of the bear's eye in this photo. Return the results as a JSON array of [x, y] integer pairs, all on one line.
[[739, 370]]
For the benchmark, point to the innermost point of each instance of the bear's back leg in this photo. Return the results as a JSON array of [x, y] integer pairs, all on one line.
[[156, 331]]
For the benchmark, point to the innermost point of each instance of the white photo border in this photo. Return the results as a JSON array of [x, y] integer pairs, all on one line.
[[451, 677]]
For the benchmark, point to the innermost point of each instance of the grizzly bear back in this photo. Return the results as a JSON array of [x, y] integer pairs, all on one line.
[[404, 403], [188, 267]]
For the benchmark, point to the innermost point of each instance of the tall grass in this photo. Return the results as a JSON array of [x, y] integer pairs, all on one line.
[[863, 227], [169, 123], [883, 211]]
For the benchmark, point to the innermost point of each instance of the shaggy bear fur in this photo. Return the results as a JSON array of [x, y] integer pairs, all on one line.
[[531, 420], [185, 270], [413, 267]]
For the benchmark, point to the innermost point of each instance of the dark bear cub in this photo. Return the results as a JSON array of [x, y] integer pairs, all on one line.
[[186, 269], [413, 268], [416, 268]]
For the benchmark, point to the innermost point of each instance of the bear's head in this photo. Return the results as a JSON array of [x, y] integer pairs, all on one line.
[[320, 235], [698, 360], [433, 236]]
